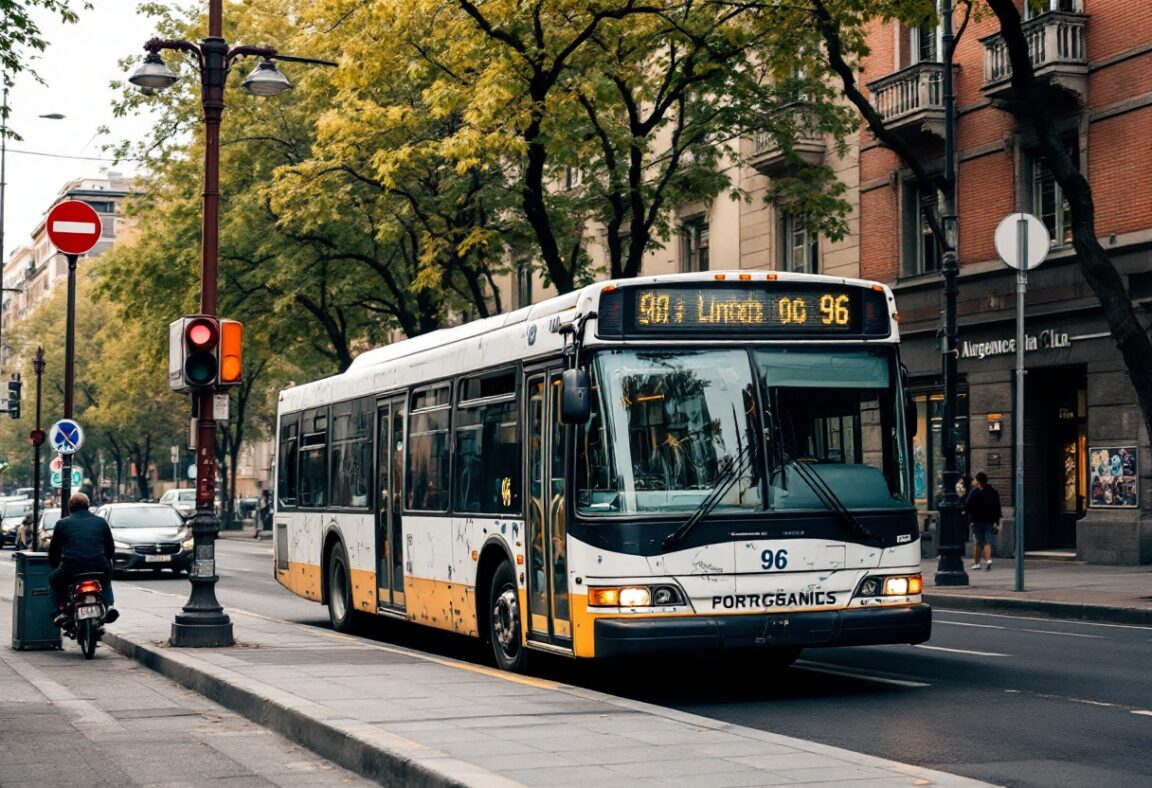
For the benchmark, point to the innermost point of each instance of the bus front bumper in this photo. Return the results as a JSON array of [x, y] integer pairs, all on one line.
[[619, 637]]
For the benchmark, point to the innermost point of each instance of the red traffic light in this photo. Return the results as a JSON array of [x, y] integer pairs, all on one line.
[[201, 333]]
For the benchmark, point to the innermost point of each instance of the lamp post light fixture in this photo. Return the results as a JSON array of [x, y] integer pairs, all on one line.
[[202, 623]]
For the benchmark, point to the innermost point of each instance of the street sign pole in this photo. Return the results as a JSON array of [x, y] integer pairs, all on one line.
[[73, 227], [69, 378], [1023, 242], [1021, 289]]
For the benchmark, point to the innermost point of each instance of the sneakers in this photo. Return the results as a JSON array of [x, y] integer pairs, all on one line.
[[976, 565], [987, 566], [110, 615], [60, 618]]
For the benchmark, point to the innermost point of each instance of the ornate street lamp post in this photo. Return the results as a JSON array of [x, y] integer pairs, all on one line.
[[203, 622], [950, 552]]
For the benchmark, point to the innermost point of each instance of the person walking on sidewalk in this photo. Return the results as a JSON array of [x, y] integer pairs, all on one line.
[[983, 509]]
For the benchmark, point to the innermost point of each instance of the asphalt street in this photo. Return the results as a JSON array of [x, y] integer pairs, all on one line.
[[1007, 699]]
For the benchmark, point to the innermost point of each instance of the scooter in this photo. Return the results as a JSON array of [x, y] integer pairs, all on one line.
[[85, 612]]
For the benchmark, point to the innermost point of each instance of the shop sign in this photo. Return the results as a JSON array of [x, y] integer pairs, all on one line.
[[1049, 339], [1113, 472]]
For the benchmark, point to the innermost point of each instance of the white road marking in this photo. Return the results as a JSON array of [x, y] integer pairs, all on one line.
[[1077, 622], [852, 674], [968, 624], [1070, 699], [1142, 712], [1013, 629], [1065, 634], [963, 651]]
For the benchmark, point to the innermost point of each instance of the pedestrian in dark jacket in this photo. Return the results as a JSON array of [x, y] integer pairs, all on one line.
[[983, 509], [81, 543]]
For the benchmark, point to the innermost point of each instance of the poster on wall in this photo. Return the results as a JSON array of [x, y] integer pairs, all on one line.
[[1113, 472]]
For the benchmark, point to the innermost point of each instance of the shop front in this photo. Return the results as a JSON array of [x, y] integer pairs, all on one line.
[[1084, 449]]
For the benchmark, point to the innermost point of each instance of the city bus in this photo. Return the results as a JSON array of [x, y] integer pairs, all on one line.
[[701, 462]]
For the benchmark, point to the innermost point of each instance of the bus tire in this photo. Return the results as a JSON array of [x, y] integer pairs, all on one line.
[[339, 579], [504, 632]]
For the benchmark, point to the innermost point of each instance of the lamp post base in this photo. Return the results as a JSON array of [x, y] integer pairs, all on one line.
[[203, 624], [202, 635]]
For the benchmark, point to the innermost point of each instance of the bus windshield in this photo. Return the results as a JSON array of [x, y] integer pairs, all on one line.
[[667, 425]]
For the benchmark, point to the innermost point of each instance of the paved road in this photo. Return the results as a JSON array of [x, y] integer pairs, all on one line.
[[1010, 700]]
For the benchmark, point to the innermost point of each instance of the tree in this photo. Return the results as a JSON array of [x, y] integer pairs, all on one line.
[[643, 99], [841, 24]]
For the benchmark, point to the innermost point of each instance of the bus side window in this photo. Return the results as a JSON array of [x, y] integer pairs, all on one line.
[[286, 460]]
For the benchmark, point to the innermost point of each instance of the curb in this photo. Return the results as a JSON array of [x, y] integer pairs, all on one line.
[[396, 761], [1130, 616]]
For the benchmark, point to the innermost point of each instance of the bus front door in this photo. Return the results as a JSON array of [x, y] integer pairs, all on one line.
[[389, 527], [549, 619]]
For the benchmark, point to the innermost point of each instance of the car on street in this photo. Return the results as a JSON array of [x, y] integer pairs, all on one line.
[[182, 499], [148, 536], [11, 515], [48, 519]]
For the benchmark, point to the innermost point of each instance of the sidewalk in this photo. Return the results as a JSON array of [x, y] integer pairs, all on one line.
[[1056, 589], [110, 722], [405, 718]]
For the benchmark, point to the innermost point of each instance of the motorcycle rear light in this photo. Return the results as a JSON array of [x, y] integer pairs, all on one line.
[[89, 587]]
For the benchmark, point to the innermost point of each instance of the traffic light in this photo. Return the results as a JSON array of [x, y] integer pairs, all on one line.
[[193, 353], [14, 386], [231, 352]]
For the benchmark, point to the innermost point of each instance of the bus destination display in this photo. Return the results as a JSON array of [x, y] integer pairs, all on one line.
[[784, 309]]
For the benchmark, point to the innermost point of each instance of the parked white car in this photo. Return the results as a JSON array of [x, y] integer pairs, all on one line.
[[182, 499]]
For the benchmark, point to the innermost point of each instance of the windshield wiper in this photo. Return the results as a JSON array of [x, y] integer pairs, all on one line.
[[826, 495], [724, 481]]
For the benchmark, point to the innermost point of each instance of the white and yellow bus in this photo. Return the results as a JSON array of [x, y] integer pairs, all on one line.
[[689, 462]]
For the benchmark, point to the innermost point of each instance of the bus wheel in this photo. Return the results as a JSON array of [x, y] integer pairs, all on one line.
[[504, 621], [339, 589]]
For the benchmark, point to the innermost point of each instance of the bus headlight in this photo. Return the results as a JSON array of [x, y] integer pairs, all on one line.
[[894, 585], [635, 596]]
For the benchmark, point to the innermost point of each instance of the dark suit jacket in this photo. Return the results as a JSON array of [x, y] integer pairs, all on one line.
[[82, 541]]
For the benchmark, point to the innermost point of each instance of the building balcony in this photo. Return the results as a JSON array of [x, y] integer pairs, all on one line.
[[911, 101], [1057, 49], [770, 158]]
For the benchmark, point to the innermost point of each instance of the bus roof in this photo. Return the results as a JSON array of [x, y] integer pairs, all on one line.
[[530, 332]]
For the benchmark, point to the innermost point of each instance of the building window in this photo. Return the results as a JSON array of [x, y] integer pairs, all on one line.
[[1034, 9], [694, 245], [928, 446], [1049, 202], [923, 252], [800, 246], [573, 177], [926, 43]]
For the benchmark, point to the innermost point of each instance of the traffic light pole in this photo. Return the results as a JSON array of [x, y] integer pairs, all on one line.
[[202, 622], [37, 441]]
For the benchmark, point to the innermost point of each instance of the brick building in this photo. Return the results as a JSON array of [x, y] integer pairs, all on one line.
[[1086, 453]]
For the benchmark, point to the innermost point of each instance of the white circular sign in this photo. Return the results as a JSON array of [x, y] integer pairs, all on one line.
[[66, 436], [1008, 240]]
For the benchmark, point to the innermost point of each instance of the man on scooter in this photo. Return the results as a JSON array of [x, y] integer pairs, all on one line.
[[82, 542]]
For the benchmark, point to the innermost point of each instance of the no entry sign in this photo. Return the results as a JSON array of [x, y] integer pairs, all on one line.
[[73, 227]]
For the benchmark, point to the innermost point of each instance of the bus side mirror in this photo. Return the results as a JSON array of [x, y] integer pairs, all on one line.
[[575, 404]]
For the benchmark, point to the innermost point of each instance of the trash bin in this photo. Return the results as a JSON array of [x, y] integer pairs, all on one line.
[[32, 626]]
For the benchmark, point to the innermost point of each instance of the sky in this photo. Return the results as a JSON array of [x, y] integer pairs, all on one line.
[[78, 65]]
